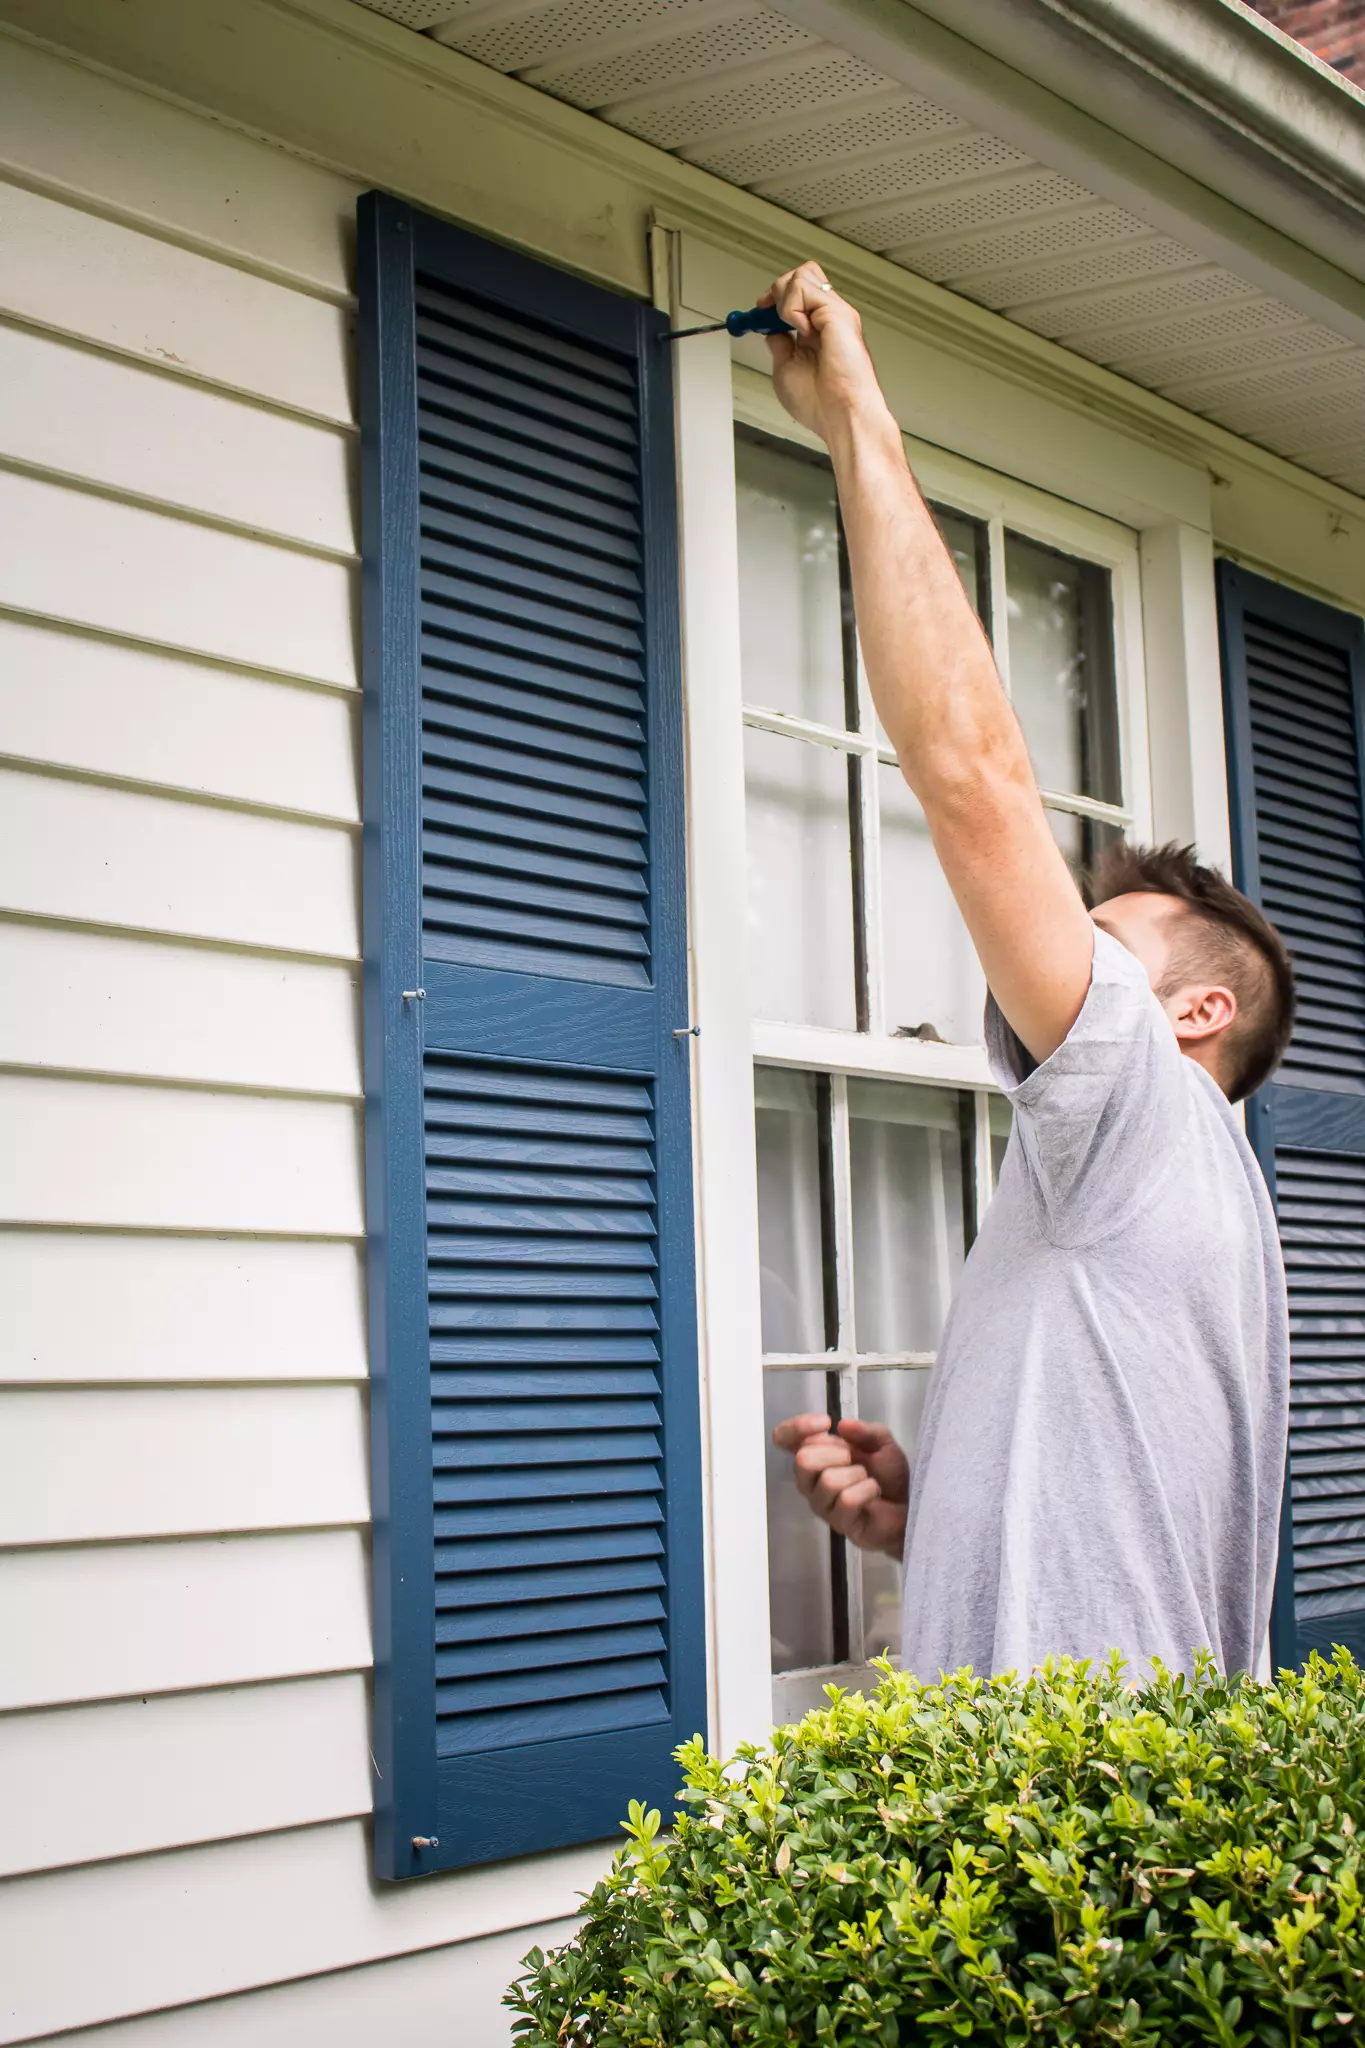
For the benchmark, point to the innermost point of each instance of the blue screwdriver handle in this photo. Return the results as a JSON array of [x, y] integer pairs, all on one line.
[[758, 320]]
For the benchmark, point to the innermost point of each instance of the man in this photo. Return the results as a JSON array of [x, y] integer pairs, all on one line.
[[1103, 1445]]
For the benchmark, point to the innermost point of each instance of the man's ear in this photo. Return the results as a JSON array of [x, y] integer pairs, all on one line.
[[1199, 1012]]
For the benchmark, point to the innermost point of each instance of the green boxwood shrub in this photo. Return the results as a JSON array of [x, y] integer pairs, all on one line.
[[1062, 1859]]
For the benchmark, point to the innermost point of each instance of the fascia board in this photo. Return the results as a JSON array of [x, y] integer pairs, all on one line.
[[1090, 106]]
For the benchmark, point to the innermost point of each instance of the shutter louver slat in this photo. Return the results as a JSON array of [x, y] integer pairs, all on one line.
[[550, 1478], [1292, 670]]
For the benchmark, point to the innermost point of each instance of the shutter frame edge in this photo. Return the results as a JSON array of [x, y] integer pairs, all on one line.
[[414, 1781]]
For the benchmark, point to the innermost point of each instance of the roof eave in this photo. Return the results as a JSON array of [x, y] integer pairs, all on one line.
[[1195, 113]]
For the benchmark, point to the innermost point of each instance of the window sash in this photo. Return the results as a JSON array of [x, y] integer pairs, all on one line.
[[845, 1365]]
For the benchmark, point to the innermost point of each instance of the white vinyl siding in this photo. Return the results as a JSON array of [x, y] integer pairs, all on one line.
[[184, 1488]]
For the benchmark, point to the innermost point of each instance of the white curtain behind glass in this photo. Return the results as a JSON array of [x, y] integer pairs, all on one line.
[[908, 1239], [893, 1396], [800, 1587], [1060, 613], [800, 882], [790, 1260], [931, 972], [791, 635]]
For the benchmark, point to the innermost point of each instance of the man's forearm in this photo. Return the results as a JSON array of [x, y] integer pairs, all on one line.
[[937, 690], [929, 665]]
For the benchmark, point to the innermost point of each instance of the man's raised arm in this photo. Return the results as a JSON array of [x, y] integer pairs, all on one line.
[[934, 680]]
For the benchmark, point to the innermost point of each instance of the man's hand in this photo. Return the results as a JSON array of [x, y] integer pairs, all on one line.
[[822, 373], [856, 1478]]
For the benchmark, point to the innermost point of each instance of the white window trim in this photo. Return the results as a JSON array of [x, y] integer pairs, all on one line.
[[725, 1176]]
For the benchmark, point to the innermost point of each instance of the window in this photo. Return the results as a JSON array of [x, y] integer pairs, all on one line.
[[540, 1648], [852, 926], [879, 1136]]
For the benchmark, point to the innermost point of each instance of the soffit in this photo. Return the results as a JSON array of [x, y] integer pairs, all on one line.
[[755, 98]]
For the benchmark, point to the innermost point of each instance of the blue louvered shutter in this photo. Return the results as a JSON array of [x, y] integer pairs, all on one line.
[[1294, 675], [537, 1571]]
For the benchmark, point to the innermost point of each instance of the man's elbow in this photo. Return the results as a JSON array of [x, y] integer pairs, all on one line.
[[972, 774]]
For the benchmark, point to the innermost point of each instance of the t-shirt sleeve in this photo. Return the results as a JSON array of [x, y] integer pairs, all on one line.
[[1101, 1118]]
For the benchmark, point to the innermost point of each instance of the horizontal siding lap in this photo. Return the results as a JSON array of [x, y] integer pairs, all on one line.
[[92, 561], [68, 410], [248, 1913], [86, 1002], [121, 1621], [177, 1158], [80, 1784], [87, 1465], [186, 176], [73, 850], [79, 274], [69, 700], [356, 2008], [178, 1309]]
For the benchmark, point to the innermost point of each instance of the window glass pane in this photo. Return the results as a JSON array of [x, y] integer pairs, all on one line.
[[789, 608], [932, 976], [1001, 1118], [905, 1144], [966, 541], [894, 1396], [800, 1588], [789, 1239], [1082, 841], [800, 882], [1061, 632]]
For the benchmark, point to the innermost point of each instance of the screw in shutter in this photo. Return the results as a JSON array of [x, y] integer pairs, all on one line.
[[425, 1842], [414, 995], [688, 1031]]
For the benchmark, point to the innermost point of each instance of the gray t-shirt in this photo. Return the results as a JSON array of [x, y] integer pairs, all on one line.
[[1103, 1446]]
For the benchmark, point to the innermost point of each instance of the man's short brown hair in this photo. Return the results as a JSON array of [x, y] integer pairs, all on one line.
[[1228, 940]]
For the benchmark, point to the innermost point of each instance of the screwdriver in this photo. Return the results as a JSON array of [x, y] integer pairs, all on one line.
[[758, 320]]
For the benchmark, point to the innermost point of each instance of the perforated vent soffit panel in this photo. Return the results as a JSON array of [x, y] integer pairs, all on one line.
[[747, 94]]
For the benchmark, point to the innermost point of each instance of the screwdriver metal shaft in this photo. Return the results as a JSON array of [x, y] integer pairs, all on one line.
[[756, 320]]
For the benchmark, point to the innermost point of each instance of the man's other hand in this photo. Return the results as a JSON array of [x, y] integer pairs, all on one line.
[[822, 372], [856, 1478]]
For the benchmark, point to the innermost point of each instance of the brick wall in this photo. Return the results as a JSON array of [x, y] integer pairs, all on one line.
[[1332, 29]]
